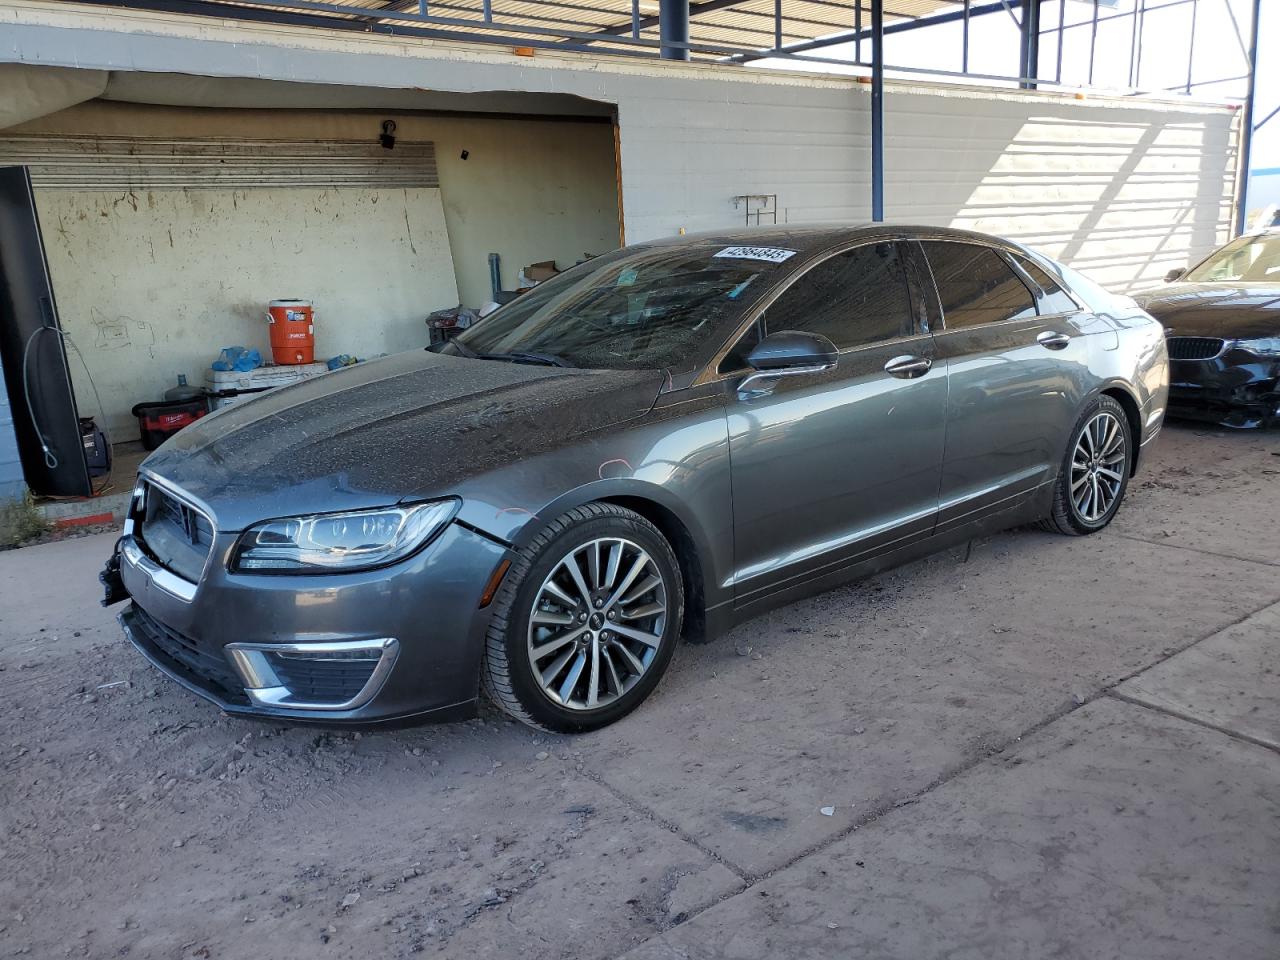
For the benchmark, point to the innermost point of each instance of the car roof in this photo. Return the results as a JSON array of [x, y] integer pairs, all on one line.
[[815, 238]]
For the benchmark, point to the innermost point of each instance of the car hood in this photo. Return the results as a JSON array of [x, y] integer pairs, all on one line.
[[1228, 310], [407, 426]]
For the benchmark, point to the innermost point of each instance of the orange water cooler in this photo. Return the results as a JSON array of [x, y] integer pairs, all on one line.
[[292, 331]]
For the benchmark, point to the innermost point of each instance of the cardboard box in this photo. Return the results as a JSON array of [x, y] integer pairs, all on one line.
[[544, 270]]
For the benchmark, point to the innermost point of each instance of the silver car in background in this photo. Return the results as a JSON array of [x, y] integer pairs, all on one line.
[[660, 442]]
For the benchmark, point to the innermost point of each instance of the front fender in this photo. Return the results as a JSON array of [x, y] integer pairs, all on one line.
[[676, 458]]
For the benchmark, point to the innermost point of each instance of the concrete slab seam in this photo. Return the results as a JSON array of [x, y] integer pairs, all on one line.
[[1190, 718], [1207, 553], [639, 808]]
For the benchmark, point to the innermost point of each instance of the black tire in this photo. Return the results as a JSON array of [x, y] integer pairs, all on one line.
[[507, 673], [1065, 517]]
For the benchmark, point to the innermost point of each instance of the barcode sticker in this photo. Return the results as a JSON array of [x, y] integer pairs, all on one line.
[[770, 254]]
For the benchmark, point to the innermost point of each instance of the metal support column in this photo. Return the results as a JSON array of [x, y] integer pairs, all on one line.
[[877, 111], [673, 28], [1029, 58], [1246, 123]]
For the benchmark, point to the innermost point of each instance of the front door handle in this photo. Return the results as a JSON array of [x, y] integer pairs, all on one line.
[[1053, 340], [908, 367]]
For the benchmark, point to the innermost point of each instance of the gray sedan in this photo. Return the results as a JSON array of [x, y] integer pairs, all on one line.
[[658, 443]]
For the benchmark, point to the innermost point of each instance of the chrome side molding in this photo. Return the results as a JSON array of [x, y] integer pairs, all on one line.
[[766, 379]]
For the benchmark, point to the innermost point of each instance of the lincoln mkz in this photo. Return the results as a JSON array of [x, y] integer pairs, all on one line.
[[657, 443]]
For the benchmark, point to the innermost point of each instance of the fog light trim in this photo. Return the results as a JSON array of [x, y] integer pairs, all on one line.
[[265, 688]]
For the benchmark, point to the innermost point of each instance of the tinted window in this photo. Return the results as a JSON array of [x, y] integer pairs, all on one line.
[[1053, 298], [975, 285], [639, 308], [854, 298]]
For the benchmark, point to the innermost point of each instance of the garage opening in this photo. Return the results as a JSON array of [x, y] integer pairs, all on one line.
[[168, 230]]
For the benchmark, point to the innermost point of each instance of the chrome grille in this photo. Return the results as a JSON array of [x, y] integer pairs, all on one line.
[[1194, 348], [176, 534]]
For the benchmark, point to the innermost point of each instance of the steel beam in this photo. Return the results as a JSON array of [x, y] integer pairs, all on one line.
[[673, 28], [877, 111], [1246, 123], [1029, 55]]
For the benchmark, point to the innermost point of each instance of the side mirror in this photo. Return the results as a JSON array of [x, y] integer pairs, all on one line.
[[787, 353], [1173, 275], [792, 348]]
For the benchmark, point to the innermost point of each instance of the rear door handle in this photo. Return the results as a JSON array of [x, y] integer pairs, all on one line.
[[908, 367], [1053, 340]]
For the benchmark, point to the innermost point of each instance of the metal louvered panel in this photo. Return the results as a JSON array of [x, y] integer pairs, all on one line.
[[122, 163]]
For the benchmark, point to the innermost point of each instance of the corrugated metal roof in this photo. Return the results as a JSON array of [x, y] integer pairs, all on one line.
[[737, 26]]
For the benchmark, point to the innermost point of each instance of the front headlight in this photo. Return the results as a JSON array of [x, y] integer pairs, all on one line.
[[1264, 347], [333, 542]]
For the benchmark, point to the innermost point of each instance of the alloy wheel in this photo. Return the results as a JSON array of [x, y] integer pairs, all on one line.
[[1098, 463], [597, 623]]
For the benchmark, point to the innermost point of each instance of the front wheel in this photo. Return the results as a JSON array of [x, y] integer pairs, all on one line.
[[586, 621], [1095, 471]]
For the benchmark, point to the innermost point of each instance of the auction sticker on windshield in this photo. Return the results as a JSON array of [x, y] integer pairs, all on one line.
[[771, 254]]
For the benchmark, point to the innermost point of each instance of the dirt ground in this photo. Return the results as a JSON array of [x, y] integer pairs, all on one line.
[[1044, 746]]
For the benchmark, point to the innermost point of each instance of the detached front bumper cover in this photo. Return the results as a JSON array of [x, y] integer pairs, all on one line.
[[1235, 389]]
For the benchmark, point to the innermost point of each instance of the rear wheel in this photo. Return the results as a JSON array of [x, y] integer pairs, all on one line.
[[1095, 471], [586, 621]]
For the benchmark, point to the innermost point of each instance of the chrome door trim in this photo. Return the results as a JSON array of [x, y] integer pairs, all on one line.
[[1053, 340], [908, 367], [747, 392]]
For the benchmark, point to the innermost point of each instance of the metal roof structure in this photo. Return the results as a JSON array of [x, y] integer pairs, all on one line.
[[718, 29], [737, 32], [737, 24]]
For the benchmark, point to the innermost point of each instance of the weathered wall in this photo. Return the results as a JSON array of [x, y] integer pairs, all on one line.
[[529, 190], [153, 285]]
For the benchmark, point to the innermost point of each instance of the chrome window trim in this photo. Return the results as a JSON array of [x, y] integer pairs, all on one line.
[[165, 580], [265, 689]]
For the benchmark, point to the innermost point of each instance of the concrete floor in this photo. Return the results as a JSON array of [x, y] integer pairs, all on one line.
[[1048, 747]]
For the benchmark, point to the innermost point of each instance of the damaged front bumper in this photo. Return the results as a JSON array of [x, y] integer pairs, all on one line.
[[1237, 388]]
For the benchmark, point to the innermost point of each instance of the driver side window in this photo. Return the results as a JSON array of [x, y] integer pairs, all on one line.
[[855, 298]]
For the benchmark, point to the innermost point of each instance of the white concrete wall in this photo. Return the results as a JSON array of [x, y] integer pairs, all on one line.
[[1123, 192]]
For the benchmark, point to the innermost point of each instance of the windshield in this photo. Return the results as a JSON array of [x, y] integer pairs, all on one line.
[[645, 308], [1249, 258]]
